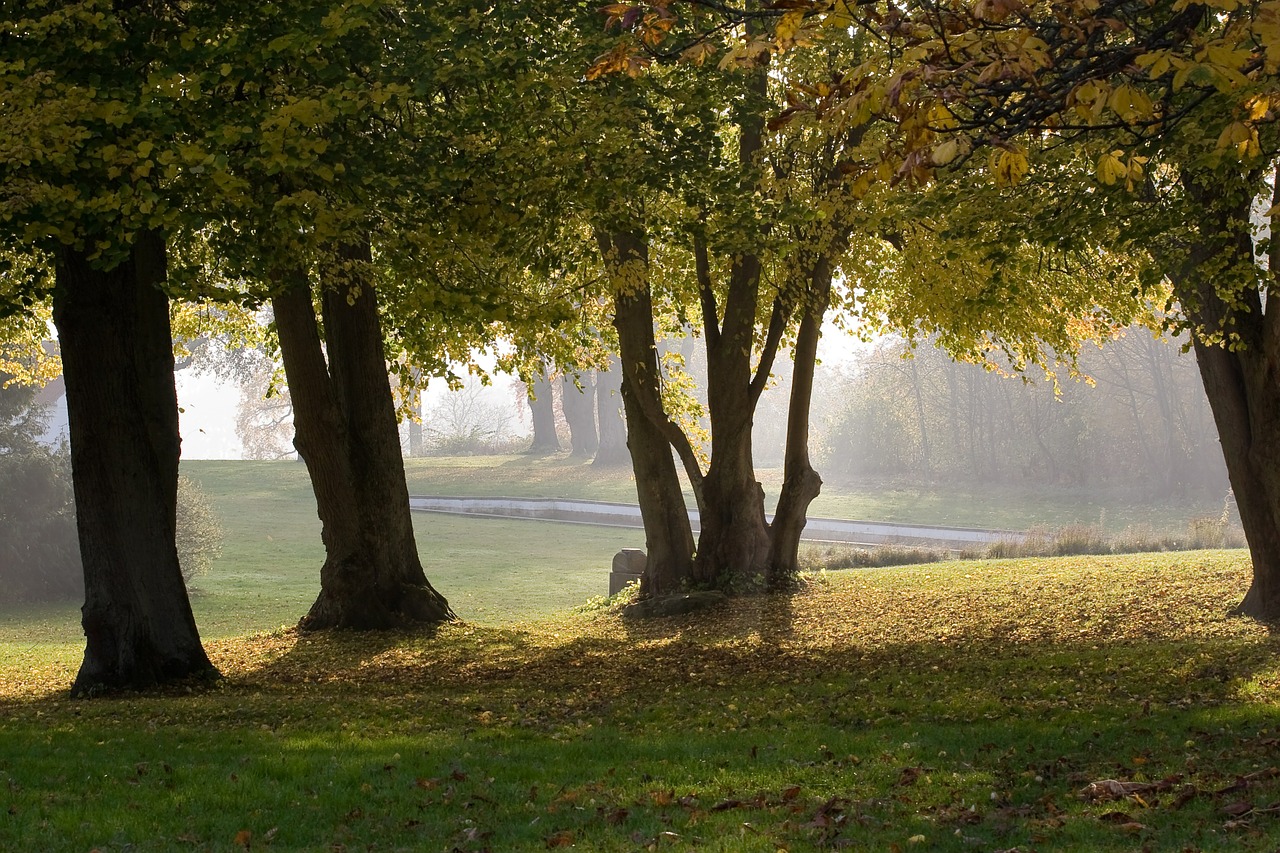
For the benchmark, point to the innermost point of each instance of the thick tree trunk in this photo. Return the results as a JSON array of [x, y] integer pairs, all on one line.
[[579, 407], [542, 408], [1244, 394], [668, 535], [612, 428], [1242, 381], [344, 419], [801, 483], [117, 355]]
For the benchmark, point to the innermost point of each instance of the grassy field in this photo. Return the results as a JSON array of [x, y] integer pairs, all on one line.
[[1016, 508], [1101, 703], [1067, 704]]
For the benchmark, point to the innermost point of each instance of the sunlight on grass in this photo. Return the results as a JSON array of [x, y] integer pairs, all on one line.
[[962, 705]]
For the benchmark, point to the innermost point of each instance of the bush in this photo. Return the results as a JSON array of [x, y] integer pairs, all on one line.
[[39, 546], [39, 550], [199, 532], [847, 557]]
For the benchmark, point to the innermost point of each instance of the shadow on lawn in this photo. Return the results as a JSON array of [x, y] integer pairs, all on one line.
[[963, 678]]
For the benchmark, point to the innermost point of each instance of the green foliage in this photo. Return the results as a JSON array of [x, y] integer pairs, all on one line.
[[200, 533], [39, 546]]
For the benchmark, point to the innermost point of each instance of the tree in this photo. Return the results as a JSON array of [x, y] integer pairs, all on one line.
[[542, 408], [612, 427], [1172, 105], [578, 402], [108, 138], [346, 434]]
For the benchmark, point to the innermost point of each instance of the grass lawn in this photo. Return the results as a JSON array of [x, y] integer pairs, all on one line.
[[1015, 508], [1052, 704], [1100, 703]]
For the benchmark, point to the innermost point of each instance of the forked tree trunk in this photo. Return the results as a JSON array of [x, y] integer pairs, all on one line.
[[801, 483], [542, 408], [733, 545], [579, 407], [117, 356], [344, 418], [668, 535], [612, 428]]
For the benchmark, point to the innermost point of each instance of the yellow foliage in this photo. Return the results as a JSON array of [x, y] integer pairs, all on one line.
[[1008, 166]]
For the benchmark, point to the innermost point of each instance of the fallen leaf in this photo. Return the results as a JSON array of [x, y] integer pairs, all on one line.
[[564, 838], [1240, 808]]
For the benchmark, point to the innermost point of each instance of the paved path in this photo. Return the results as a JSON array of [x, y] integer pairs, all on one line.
[[602, 513]]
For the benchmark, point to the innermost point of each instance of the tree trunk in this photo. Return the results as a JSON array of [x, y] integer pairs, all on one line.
[[668, 535], [612, 428], [542, 408], [801, 483], [733, 545], [117, 355], [1242, 381], [344, 418], [578, 405]]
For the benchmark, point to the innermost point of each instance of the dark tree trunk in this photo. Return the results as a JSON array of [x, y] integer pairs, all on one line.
[[612, 428], [579, 407], [801, 483], [1242, 382], [733, 545], [668, 535], [344, 419], [542, 408], [117, 355]]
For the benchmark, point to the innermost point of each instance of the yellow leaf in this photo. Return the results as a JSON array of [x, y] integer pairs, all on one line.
[[1233, 135], [788, 25], [1157, 63], [1110, 168], [946, 152], [941, 118], [1008, 167]]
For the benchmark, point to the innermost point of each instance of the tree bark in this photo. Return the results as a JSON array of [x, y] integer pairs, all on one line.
[[801, 483], [117, 354], [733, 544], [1241, 378], [344, 418], [578, 405], [542, 408], [612, 427], [668, 534]]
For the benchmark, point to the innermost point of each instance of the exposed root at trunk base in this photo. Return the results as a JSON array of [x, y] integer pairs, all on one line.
[[95, 680], [673, 605], [407, 606]]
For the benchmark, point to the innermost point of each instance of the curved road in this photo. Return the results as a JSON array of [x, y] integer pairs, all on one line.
[[606, 514]]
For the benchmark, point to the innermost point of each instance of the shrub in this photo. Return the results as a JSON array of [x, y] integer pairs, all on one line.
[[39, 546], [199, 532], [847, 557], [39, 550]]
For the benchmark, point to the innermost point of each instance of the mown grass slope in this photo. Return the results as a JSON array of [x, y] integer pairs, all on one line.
[[1055, 704]]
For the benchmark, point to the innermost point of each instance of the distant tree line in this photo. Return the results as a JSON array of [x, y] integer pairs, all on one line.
[[1139, 418]]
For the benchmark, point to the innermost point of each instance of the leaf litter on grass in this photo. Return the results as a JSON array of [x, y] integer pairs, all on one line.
[[972, 649]]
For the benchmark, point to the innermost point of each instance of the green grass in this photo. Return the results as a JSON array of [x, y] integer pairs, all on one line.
[[964, 705], [956, 706], [1015, 508]]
